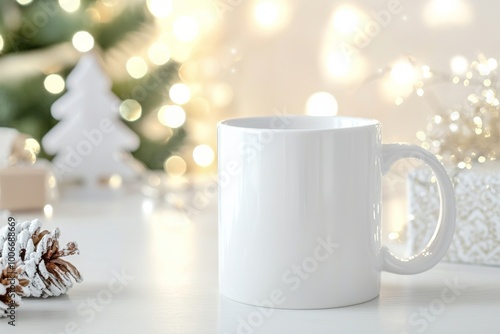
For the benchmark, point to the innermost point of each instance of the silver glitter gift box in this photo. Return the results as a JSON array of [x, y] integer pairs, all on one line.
[[477, 235]]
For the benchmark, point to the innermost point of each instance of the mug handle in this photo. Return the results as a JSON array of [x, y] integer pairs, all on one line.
[[434, 251]]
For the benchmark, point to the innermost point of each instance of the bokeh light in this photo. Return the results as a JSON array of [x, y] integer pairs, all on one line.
[[70, 6], [485, 67], [426, 72], [1, 43], [32, 145], [403, 73], [130, 110], [159, 54], [83, 41], [445, 6], [175, 166], [51, 181], [115, 181], [321, 104], [492, 64], [203, 155], [48, 211], [448, 12], [402, 81], [24, 2], [172, 116], [186, 29], [341, 60], [160, 8], [180, 93], [459, 65], [345, 20], [137, 67], [271, 14], [54, 83]]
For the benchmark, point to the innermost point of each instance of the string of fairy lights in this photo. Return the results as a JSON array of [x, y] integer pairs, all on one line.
[[468, 132], [465, 134]]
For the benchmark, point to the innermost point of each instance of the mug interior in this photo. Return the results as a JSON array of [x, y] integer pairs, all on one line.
[[299, 122]]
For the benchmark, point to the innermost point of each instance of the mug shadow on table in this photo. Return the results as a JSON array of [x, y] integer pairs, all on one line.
[[400, 308], [238, 318]]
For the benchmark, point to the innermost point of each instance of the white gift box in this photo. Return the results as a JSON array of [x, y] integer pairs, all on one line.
[[477, 191]]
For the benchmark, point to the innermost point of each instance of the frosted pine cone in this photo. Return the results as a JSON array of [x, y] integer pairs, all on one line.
[[9, 280], [41, 256]]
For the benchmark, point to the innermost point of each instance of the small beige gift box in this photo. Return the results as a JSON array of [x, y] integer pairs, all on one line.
[[23, 188]]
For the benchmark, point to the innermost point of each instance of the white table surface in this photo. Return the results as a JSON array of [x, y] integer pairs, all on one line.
[[173, 261]]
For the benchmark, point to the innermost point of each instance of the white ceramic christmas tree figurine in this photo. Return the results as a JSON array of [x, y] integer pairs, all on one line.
[[90, 142]]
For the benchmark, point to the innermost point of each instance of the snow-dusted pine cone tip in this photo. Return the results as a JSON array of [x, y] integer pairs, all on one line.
[[7, 277], [41, 256]]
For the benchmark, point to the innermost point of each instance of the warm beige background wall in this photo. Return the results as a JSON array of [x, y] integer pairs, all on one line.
[[277, 55]]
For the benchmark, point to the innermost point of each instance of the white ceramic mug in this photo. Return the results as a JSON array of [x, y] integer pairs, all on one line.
[[299, 211]]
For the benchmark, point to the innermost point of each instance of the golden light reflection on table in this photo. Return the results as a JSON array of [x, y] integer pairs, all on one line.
[[171, 241]]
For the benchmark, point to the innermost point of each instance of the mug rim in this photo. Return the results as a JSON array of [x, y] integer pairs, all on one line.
[[354, 123]]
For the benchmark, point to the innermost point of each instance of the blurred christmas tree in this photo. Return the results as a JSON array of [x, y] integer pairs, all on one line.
[[41, 41]]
